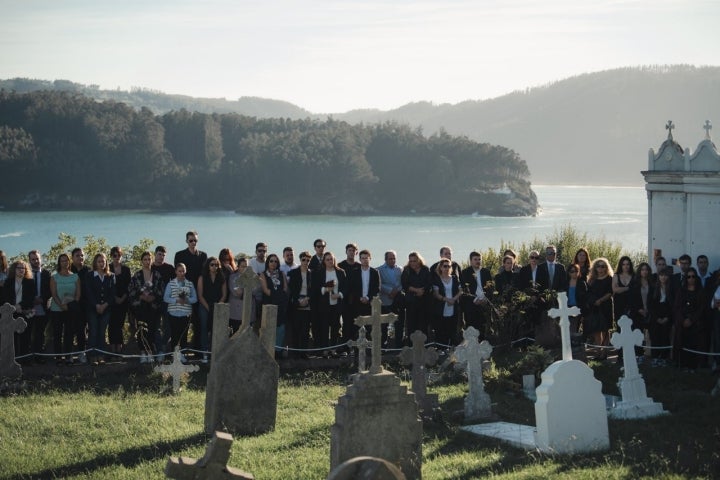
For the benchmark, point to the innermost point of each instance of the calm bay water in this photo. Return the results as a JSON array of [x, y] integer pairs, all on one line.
[[615, 213]]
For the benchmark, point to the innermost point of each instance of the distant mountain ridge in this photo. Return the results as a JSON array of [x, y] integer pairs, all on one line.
[[594, 128]]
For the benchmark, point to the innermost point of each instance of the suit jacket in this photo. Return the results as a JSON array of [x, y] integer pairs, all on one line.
[[319, 280], [44, 288], [468, 279], [523, 279], [559, 281], [99, 291], [295, 284], [28, 293], [355, 284]]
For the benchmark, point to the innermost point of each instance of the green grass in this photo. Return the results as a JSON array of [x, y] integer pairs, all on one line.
[[125, 426]]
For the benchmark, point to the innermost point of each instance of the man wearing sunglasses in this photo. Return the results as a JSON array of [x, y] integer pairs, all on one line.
[[193, 259]]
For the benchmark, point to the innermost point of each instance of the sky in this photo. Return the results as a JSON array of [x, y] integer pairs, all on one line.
[[334, 56]]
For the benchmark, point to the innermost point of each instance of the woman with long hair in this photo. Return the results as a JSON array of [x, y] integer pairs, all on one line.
[[640, 301], [622, 283], [576, 294], [65, 291], [600, 303], [416, 283], [236, 296], [100, 293], [3, 269], [212, 289], [20, 292], [690, 308], [330, 286], [582, 259], [275, 292], [446, 292], [145, 293], [660, 304]]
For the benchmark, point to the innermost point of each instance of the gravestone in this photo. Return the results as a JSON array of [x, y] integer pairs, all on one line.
[[570, 412], [176, 369], [635, 403], [477, 402], [213, 465], [564, 313], [268, 328], [242, 385], [220, 333], [376, 320], [361, 344], [420, 357], [366, 468], [248, 281], [9, 326], [378, 417]]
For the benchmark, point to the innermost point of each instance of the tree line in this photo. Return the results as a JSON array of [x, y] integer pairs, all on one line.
[[66, 150]]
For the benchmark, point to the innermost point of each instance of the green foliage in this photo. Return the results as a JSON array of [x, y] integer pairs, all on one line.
[[94, 245]]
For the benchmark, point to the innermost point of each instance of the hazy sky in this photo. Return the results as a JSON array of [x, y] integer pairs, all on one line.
[[333, 56]]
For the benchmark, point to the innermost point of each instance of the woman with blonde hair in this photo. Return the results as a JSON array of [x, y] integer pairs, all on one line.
[[19, 291], [600, 303], [100, 294]]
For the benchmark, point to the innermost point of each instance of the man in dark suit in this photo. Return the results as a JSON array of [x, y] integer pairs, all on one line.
[[364, 285], [473, 281], [678, 279], [41, 305], [551, 274]]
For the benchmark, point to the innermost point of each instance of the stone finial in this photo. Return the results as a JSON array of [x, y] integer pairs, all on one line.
[[376, 320], [9, 325], [707, 127], [669, 127], [176, 369], [213, 465]]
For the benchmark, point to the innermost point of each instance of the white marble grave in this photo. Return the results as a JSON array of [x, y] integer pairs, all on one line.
[[176, 369], [635, 403], [570, 413]]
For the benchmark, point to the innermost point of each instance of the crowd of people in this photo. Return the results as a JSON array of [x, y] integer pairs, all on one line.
[[87, 308]]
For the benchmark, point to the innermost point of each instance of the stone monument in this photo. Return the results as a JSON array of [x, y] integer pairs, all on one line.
[[477, 402], [377, 416], [213, 465], [366, 468], [635, 403], [420, 357], [9, 326], [376, 320], [242, 385], [570, 412], [176, 369]]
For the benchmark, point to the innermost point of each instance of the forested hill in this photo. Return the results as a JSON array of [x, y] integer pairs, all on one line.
[[66, 150], [594, 128]]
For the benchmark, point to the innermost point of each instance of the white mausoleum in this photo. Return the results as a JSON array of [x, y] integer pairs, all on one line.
[[683, 191]]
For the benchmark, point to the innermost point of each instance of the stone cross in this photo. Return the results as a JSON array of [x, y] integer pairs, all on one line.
[[268, 328], [8, 327], [176, 369], [564, 312], [419, 357], [477, 402], [669, 127], [627, 339], [211, 466], [248, 281], [707, 127], [376, 320], [361, 344]]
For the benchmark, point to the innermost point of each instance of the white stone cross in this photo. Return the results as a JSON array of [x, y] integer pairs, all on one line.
[[707, 127], [477, 402], [176, 369], [376, 320], [361, 344], [248, 281], [8, 327], [211, 466], [627, 339], [419, 357], [564, 312]]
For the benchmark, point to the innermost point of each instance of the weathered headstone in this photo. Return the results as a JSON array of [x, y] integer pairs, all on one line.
[[268, 328], [9, 326], [361, 344], [376, 320], [635, 403], [477, 402], [176, 369], [241, 392], [378, 417], [420, 357], [213, 465], [220, 335], [366, 468], [248, 281]]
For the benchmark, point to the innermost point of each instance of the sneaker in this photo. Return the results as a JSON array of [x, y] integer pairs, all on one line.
[[204, 358], [82, 358]]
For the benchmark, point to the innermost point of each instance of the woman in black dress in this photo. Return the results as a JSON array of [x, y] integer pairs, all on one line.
[[690, 307], [600, 303], [275, 292], [212, 289]]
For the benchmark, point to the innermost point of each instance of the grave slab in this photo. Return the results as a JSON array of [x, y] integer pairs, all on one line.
[[213, 465]]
